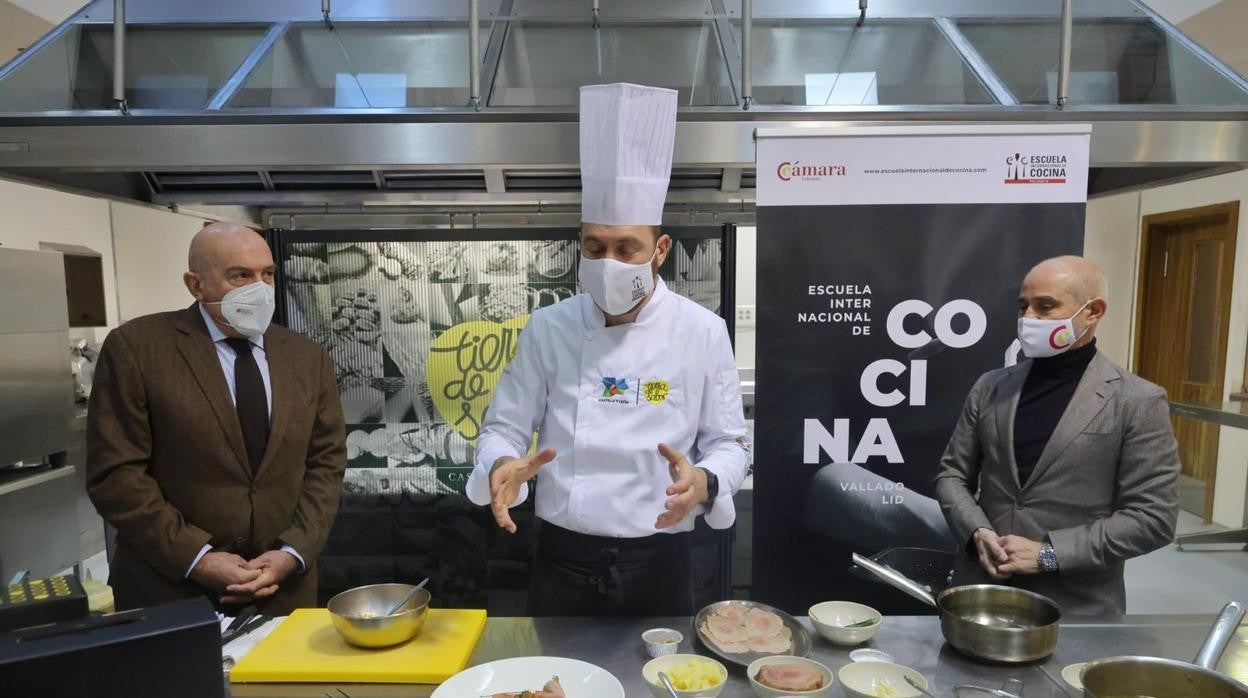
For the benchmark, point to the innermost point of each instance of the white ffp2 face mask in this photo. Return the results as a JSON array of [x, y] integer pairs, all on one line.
[[617, 287], [249, 309], [1044, 338]]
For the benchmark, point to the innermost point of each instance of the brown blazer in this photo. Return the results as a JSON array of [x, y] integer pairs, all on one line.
[[166, 464]]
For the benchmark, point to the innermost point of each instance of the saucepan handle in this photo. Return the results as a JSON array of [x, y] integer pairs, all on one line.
[[895, 579], [1220, 635]]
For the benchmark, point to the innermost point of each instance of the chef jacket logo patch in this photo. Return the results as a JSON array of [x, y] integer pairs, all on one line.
[[655, 391], [614, 387]]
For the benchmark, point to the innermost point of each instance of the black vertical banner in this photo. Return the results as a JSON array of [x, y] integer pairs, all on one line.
[[874, 321]]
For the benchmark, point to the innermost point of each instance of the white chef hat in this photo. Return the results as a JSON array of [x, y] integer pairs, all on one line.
[[627, 133]]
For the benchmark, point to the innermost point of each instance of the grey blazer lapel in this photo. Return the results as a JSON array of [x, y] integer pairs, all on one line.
[[1099, 383], [1008, 391]]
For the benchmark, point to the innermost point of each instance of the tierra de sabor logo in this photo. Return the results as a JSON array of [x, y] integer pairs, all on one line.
[[788, 171], [909, 382], [1035, 169]]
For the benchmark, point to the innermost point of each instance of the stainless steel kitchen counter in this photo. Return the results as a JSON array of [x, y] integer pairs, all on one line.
[[915, 641]]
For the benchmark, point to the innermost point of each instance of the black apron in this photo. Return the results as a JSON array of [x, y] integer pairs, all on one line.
[[596, 576]]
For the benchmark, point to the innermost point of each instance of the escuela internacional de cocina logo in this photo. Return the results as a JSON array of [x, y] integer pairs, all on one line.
[[1035, 169], [788, 171]]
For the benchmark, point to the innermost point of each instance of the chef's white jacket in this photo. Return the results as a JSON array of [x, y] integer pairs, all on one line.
[[604, 398]]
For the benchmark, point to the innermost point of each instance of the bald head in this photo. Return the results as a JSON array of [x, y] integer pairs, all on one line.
[[1063, 287], [219, 243], [223, 257], [1078, 276]]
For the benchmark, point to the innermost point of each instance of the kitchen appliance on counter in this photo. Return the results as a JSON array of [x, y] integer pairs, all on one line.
[[155, 652], [29, 602], [83, 355], [37, 410]]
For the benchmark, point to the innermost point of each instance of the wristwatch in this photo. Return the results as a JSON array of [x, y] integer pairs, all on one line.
[[712, 486], [1047, 558]]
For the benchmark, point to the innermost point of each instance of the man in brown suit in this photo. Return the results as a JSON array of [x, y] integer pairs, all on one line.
[[216, 444]]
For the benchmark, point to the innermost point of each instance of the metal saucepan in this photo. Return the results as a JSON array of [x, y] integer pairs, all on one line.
[[985, 621], [1141, 677]]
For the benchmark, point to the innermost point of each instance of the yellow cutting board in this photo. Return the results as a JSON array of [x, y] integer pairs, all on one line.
[[305, 648]]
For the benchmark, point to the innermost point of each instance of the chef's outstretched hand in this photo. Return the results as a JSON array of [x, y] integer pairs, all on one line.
[[688, 488], [506, 477]]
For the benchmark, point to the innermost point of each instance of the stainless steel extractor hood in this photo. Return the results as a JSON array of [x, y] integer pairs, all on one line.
[[269, 106]]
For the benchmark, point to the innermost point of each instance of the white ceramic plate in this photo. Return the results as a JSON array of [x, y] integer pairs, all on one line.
[[530, 673]]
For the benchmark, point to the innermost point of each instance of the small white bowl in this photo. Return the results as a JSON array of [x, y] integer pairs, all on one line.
[[831, 617], [860, 679], [829, 680], [650, 672], [661, 642], [1073, 675]]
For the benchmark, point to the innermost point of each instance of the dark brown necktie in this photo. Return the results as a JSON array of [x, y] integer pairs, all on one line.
[[250, 400]]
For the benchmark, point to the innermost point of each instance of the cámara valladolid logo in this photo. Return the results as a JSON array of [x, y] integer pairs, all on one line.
[[1035, 169], [788, 171]]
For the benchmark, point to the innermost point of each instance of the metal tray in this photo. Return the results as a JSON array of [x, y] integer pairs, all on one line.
[[801, 638]]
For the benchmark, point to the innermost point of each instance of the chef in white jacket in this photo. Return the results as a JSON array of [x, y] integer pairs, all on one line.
[[631, 390]]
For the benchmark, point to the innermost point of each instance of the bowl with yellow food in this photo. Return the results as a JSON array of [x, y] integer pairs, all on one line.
[[692, 675]]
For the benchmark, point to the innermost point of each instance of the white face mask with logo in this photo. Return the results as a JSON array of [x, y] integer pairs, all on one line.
[[1044, 338], [617, 287], [249, 309]]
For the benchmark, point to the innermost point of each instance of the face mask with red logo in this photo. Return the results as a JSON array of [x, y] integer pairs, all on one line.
[[1043, 338]]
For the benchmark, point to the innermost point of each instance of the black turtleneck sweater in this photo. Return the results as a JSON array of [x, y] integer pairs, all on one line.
[[1050, 385]]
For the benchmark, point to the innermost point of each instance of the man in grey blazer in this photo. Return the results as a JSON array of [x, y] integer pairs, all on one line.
[[1063, 466]]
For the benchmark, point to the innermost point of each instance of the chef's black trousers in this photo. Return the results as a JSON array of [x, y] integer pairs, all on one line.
[[581, 575]]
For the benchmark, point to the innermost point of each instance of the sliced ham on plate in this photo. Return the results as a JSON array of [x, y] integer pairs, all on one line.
[[722, 630], [762, 623], [770, 645], [736, 629], [733, 612], [790, 677]]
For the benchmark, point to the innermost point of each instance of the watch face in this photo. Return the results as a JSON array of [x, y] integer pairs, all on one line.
[[1048, 558]]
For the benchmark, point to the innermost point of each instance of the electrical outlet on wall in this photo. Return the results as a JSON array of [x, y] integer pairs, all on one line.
[[745, 316]]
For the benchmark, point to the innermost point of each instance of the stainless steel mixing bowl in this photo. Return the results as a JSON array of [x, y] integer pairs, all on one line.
[[361, 615]]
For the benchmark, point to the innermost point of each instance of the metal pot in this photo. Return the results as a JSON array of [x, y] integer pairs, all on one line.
[[1128, 677], [985, 621]]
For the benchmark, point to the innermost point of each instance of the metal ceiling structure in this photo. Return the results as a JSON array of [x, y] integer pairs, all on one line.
[[398, 110]]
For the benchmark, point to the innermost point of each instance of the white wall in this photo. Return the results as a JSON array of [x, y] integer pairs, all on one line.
[[143, 248], [1231, 490], [1176, 11], [18, 30], [151, 246], [33, 214], [1112, 240]]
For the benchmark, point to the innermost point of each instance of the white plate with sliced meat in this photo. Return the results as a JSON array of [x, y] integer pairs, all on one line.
[[544, 677], [743, 631]]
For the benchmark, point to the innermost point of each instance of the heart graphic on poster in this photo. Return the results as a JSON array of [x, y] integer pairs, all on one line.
[[464, 365]]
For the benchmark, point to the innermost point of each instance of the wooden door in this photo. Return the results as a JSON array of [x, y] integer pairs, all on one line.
[[1184, 318]]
